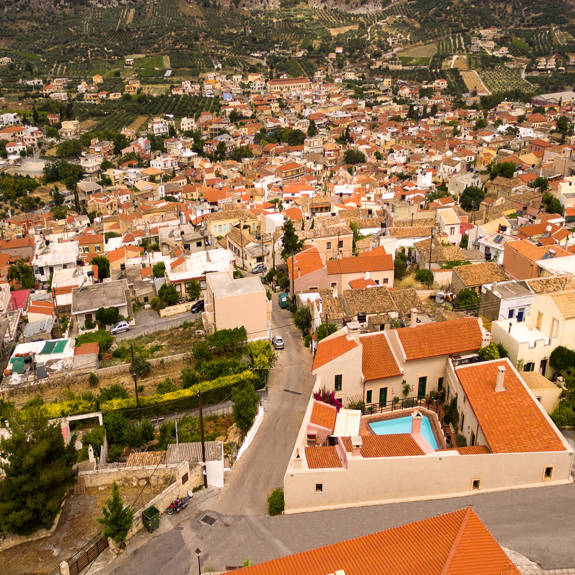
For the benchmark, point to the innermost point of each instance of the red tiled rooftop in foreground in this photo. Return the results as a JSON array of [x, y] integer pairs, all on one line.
[[511, 420], [456, 543], [331, 348], [322, 457], [441, 338]]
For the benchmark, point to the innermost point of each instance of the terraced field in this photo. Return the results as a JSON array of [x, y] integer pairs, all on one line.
[[474, 83]]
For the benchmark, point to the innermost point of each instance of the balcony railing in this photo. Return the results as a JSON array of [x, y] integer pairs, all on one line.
[[403, 403]]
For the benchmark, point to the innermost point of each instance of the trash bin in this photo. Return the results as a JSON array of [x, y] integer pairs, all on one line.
[[151, 518]]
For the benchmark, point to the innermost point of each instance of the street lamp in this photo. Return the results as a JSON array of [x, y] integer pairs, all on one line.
[[198, 553]]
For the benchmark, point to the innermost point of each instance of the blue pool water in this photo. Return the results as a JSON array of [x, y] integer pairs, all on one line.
[[403, 425]]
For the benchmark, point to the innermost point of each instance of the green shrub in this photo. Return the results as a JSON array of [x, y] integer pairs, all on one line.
[[208, 370], [225, 340], [113, 391], [202, 351], [562, 358], [114, 453], [103, 338], [165, 386], [116, 427], [245, 401], [276, 503], [424, 276], [93, 380], [564, 415], [181, 399]]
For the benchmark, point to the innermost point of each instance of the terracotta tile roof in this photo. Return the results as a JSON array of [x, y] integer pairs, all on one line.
[[294, 214], [89, 239], [323, 415], [511, 420], [551, 284], [440, 338], [322, 457], [377, 359], [329, 349], [396, 445], [456, 543], [41, 307], [479, 274], [565, 301], [87, 348], [360, 264], [409, 231], [533, 252], [25, 242], [305, 262], [361, 283]]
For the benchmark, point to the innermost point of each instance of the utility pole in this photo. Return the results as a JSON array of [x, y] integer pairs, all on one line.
[[430, 248], [242, 241], [204, 470], [135, 377], [274, 259], [292, 280]]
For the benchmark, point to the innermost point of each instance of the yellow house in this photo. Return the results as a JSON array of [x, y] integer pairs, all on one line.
[[221, 223], [91, 245]]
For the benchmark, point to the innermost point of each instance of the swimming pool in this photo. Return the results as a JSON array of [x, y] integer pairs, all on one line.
[[403, 425]]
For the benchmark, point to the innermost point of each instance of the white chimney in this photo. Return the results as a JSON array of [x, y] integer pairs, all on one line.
[[356, 444], [499, 383], [298, 461], [413, 321]]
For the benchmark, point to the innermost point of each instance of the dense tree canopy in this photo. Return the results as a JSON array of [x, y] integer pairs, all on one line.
[[471, 198], [353, 157], [38, 473], [291, 244], [103, 264]]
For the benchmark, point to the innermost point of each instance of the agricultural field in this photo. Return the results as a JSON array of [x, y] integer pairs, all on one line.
[[474, 83], [502, 79], [417, 55]]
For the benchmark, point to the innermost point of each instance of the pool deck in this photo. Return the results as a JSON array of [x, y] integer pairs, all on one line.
[[365, 429]]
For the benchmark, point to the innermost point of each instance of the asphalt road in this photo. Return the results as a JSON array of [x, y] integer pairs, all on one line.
[[262, 467]]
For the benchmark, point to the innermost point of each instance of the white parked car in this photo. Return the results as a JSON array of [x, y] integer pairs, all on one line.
[[120, 327], [278, 342]]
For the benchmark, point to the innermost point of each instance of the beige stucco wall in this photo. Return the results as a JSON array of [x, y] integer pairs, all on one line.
[[548, 397], [443, 474], [251, 310], [522, 351], [342, 280], [353, 388], [333, 252], [546, 305], [349, 366]]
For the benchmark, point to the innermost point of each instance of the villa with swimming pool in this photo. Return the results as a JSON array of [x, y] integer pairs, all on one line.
[[401, 449]]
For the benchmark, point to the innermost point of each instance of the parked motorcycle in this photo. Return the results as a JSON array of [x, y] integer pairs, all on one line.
[[180, 503]]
